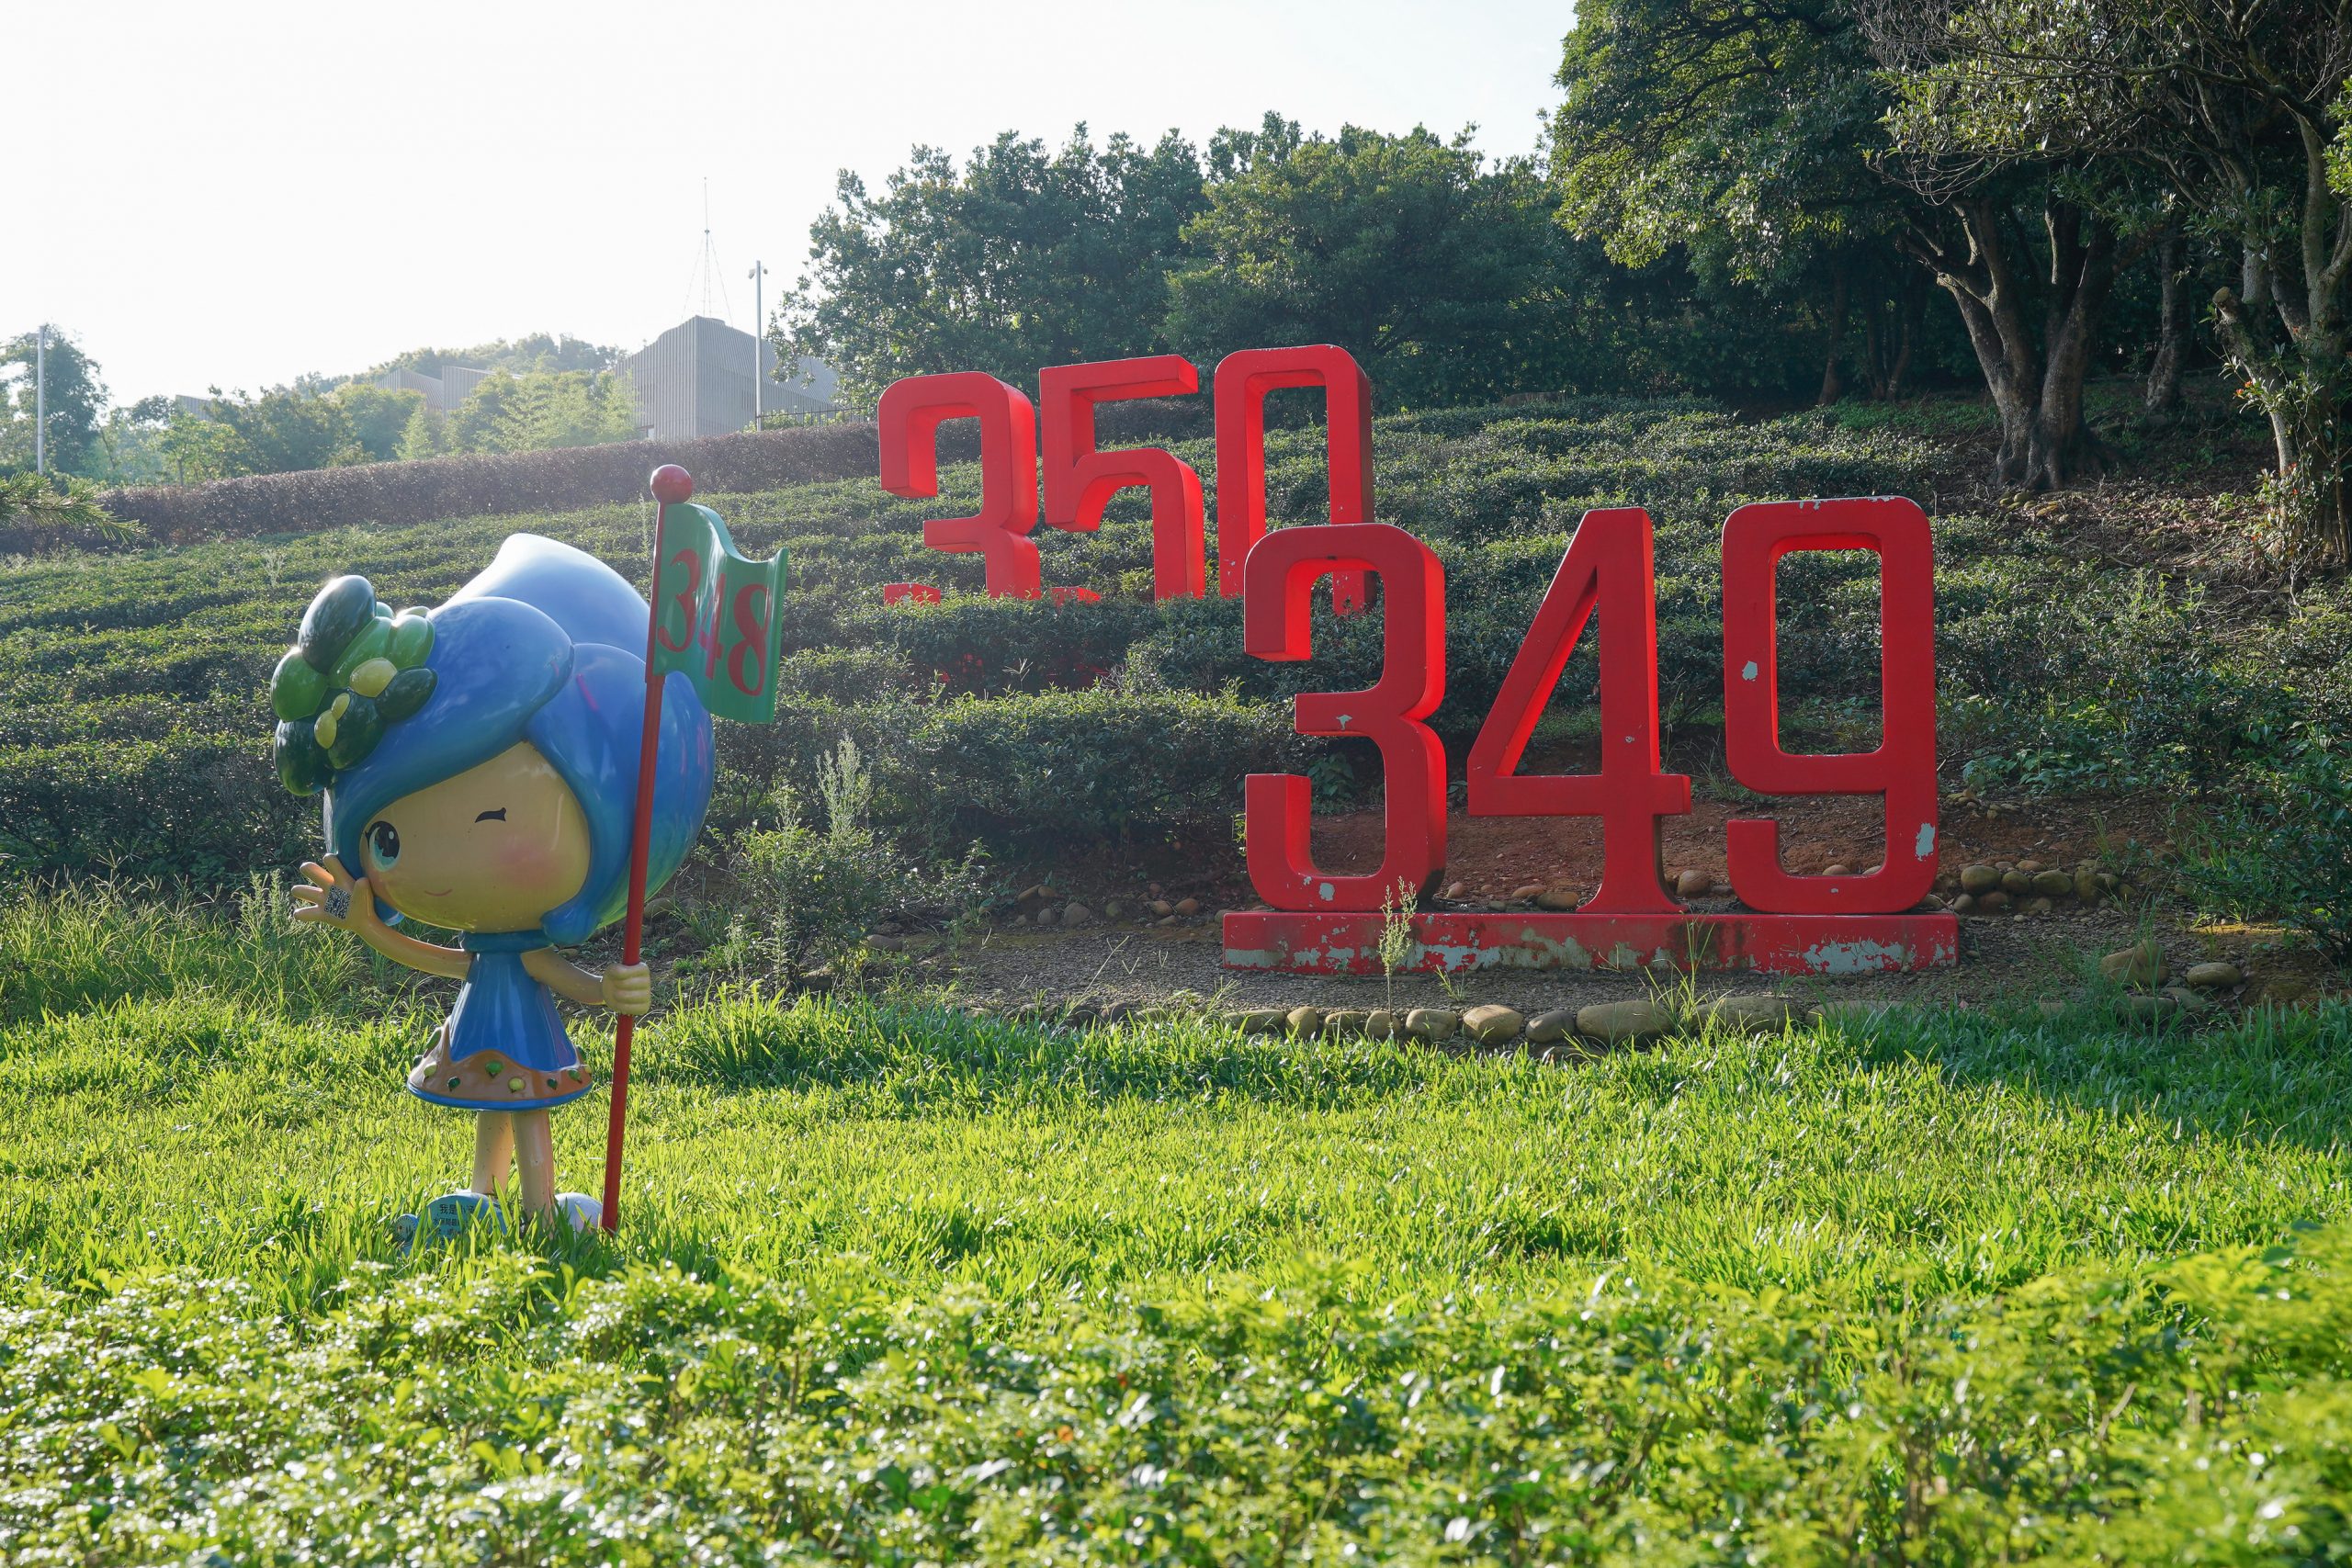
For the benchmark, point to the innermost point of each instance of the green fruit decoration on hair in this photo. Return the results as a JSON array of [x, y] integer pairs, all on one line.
[[355, 667], [341, 610], [297, 688]]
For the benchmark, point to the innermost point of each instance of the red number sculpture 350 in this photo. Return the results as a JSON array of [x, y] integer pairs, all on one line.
[[1279, 807], [910, 416]]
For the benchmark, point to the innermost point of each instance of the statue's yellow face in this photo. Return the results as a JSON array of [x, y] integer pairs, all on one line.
[[493, 849]]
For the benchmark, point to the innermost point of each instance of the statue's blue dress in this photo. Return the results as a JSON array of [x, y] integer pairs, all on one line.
[[505, 1047]]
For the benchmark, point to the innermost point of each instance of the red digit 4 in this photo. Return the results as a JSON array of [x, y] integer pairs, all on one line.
[[1902, 768], [1281, 574], [1608, 567], [908, 419]]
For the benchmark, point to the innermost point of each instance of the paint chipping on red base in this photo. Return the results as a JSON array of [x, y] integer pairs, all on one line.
[[1454, 944]]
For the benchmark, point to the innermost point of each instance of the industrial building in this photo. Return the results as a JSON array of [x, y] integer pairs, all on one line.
[[695, 380]]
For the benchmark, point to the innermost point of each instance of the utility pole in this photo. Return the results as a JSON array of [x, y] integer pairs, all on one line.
[[759, 400], [41, 401]]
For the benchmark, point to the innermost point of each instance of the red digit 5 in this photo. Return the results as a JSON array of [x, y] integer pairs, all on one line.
[[1281, 574], [911, 413], [1609, 566], [683, 598], [1902, 769], [747, 662], [1243, 379], [1079, 480]]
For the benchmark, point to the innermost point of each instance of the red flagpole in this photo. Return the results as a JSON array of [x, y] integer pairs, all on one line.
[[672, 486]]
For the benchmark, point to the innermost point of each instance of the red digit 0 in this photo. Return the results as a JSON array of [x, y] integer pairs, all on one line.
[[910, 416], [1608, 567], [682, 597], [1902, 769], [1081, 480], [1281, 577], [1243, 379], [747, 662]]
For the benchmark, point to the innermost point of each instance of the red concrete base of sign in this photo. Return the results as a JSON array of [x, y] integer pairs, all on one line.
[[1774, 944]]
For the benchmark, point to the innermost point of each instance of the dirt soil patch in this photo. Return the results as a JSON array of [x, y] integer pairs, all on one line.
[[1139, 959]]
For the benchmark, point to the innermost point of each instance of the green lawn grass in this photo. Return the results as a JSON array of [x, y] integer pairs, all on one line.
[[896, 1285]]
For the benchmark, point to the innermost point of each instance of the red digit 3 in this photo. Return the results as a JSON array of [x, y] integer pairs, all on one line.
[[908, 419], [683, 596], [1281, 577]]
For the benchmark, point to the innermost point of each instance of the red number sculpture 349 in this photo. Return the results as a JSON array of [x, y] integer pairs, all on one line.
[[1328, 922]]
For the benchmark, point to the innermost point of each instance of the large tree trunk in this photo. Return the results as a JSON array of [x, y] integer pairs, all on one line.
[[1832, 382], [2160, 402], [2305, 391], [2036, 383]]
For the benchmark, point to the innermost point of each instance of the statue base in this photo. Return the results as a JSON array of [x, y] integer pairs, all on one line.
[[1828, 945]]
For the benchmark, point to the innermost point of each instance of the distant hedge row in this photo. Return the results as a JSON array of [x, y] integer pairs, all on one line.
[[456, 487]]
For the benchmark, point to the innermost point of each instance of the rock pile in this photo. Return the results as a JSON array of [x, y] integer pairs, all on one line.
[[2029, 887]]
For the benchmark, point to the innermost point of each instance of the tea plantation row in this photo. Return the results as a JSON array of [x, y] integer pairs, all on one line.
[[134, 730]]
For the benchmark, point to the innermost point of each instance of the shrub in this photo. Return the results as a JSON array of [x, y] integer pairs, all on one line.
[[1052, 770], [457, 487], [807, 895], [2281, 846]]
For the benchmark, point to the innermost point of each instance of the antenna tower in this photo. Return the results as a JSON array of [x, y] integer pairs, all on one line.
[[707, 284]]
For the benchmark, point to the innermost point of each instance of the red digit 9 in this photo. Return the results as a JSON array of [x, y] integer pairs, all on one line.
[[1281, 577], [1902, 768], [1081, 480], [911, 413], [1243, 379]]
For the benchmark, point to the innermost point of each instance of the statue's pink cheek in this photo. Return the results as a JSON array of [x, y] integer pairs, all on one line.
[[526, 865]]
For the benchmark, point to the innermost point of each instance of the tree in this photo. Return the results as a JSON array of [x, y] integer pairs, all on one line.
[[2240, 108], [377, 417], [76, 401], [1739, 136], [1757, 130], [1444, 277], [284, 431], [1013, 261], [522, 356], [529, 413]]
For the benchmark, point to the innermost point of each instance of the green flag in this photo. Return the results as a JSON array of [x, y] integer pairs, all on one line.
[[715, 614]]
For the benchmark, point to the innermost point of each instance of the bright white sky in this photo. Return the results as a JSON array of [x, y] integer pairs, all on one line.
[[234, 194]]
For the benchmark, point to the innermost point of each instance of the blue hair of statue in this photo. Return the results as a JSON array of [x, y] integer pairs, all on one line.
[[539, 647]]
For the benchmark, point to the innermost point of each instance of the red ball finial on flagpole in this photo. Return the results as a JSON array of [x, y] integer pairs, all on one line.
[[673, 485]]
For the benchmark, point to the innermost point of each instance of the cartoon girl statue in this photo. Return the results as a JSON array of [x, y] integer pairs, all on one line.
[[479, 764]]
